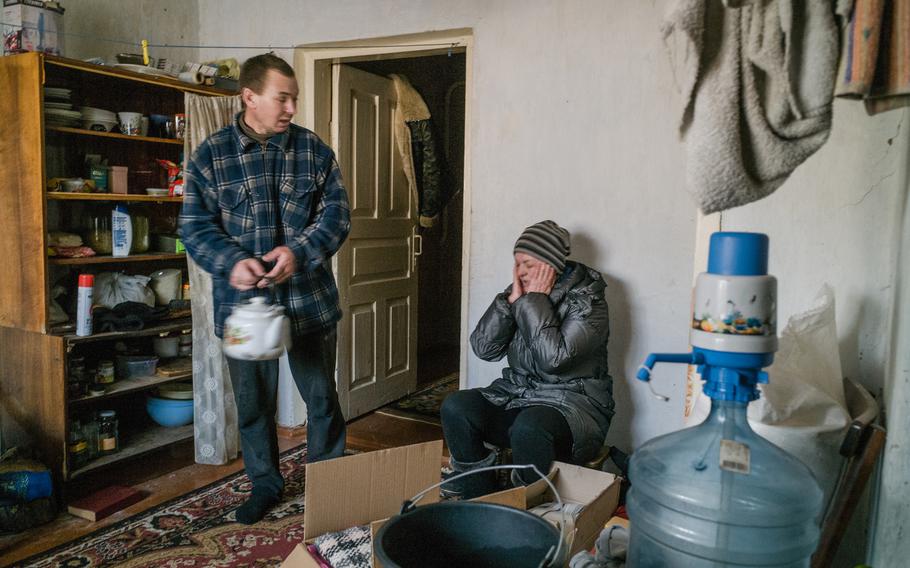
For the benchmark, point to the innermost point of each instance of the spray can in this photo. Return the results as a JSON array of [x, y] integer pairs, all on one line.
[[84, 305]]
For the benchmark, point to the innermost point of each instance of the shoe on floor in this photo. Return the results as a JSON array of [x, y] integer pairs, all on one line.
[[255, 508]]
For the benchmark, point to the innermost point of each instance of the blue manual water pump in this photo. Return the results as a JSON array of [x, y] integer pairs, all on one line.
[[717, 494], [733, 331]]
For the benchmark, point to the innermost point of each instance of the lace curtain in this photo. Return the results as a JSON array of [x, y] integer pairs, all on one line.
[[216, 434]]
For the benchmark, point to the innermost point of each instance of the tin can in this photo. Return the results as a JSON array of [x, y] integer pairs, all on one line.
[[180, 125]]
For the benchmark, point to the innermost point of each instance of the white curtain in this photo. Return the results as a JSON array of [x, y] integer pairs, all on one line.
[[216, 434]]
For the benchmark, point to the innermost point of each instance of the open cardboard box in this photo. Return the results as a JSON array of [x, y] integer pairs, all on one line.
[[371, 487]]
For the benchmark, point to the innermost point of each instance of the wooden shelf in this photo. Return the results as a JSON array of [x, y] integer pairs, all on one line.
[[106, 259], [125, 386], [149, 439], [117, 135], [68, 196], [110, 71], [166, 326]]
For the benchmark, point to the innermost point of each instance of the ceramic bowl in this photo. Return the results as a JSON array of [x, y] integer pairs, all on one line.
[[71, 185], [170, 412], [98, 125]]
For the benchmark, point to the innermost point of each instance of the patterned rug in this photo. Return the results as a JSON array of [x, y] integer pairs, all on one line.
[[424, 404], [197, 529]]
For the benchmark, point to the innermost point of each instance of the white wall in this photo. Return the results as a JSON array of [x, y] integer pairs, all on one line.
[[835, 221], [573, 120], [102, 28]]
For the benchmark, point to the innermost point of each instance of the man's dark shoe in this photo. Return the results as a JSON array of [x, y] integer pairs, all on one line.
[[255, 508]]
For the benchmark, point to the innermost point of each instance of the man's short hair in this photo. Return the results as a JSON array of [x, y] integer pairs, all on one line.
[[254, 70]]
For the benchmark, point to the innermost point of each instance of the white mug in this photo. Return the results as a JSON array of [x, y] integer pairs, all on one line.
[[130, 123]]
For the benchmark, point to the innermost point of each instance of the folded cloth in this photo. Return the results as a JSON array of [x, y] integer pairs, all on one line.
[[61, 239], [874, 56], [609, 550], [757, 83], [127, 316], [350, 548], [71, 252]]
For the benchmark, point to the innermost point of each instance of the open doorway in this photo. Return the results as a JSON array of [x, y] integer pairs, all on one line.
[[395, 281], [440, 81]]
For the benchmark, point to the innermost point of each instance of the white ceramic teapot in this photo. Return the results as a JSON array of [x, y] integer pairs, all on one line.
[[257, 331]]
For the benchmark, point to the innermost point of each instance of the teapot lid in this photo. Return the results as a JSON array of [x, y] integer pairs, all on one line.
[[258, 305]]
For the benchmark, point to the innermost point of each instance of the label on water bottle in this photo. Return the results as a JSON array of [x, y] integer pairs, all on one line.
[[734, 456]]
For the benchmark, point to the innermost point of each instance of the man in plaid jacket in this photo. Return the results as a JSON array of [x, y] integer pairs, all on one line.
[[264, 205]]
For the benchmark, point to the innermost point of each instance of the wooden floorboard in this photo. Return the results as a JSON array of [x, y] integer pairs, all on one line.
[[368, 433]]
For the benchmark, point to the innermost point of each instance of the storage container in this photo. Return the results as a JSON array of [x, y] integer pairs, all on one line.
[[129, 366]]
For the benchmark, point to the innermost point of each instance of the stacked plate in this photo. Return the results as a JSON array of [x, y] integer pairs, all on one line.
[[98, 119], [58, 108], [178, 391], [57, 94]]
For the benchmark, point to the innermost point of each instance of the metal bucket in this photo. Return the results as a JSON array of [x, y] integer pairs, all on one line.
[[466, 533]]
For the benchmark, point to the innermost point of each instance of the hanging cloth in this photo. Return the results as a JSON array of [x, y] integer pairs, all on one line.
[[215, 413], [875, 57], [757, 79]]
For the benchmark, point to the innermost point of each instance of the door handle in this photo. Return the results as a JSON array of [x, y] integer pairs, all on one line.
[[417, 247]]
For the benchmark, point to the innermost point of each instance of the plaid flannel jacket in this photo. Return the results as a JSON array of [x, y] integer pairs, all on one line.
[[242, 199]]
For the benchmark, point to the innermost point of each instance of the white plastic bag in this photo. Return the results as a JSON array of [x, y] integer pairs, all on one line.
[[56, 314], [112, 288], [802, 409]]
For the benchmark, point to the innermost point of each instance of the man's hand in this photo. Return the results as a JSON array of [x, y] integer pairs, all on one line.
[[246, 274], [285, 266], [543, 277], [517, 289]]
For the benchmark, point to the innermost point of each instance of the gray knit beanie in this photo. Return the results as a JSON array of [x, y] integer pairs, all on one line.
[[546, 241]]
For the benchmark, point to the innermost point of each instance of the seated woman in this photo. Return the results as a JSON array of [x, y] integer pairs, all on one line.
[[555, 399]]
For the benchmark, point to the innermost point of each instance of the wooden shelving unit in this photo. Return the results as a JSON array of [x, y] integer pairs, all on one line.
[[127, 386], [115, 135], [105, 259], [150, 439], [67, 196], [161, 328], [34, 355]]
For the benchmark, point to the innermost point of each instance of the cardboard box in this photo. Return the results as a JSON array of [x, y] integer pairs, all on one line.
[[369, 488], [597, 491], [117, 179], [32, 25]]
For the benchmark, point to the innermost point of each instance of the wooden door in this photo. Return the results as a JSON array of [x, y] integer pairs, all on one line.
[[376, 267]]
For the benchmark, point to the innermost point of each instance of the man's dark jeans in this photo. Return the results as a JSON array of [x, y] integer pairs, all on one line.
[[312, 362], [537, 434]]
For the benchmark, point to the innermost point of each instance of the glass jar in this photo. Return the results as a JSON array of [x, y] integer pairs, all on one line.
[[76, 382], [98, 235], [140, 233], [77, 446], [105, 374], [108, 437], [90, 432]]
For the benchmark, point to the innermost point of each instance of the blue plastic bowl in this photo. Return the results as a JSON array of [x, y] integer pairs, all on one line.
[[170, 412]]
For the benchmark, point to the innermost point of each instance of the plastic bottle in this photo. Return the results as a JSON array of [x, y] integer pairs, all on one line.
[[84, 299], [717, 494], [122, 231]]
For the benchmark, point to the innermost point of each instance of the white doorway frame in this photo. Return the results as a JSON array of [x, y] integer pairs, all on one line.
[[313, 67]]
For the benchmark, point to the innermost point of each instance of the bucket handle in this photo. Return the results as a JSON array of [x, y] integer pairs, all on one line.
[[552, 558]]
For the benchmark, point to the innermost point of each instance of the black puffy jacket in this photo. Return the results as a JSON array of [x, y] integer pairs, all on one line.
[[557, 354]]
